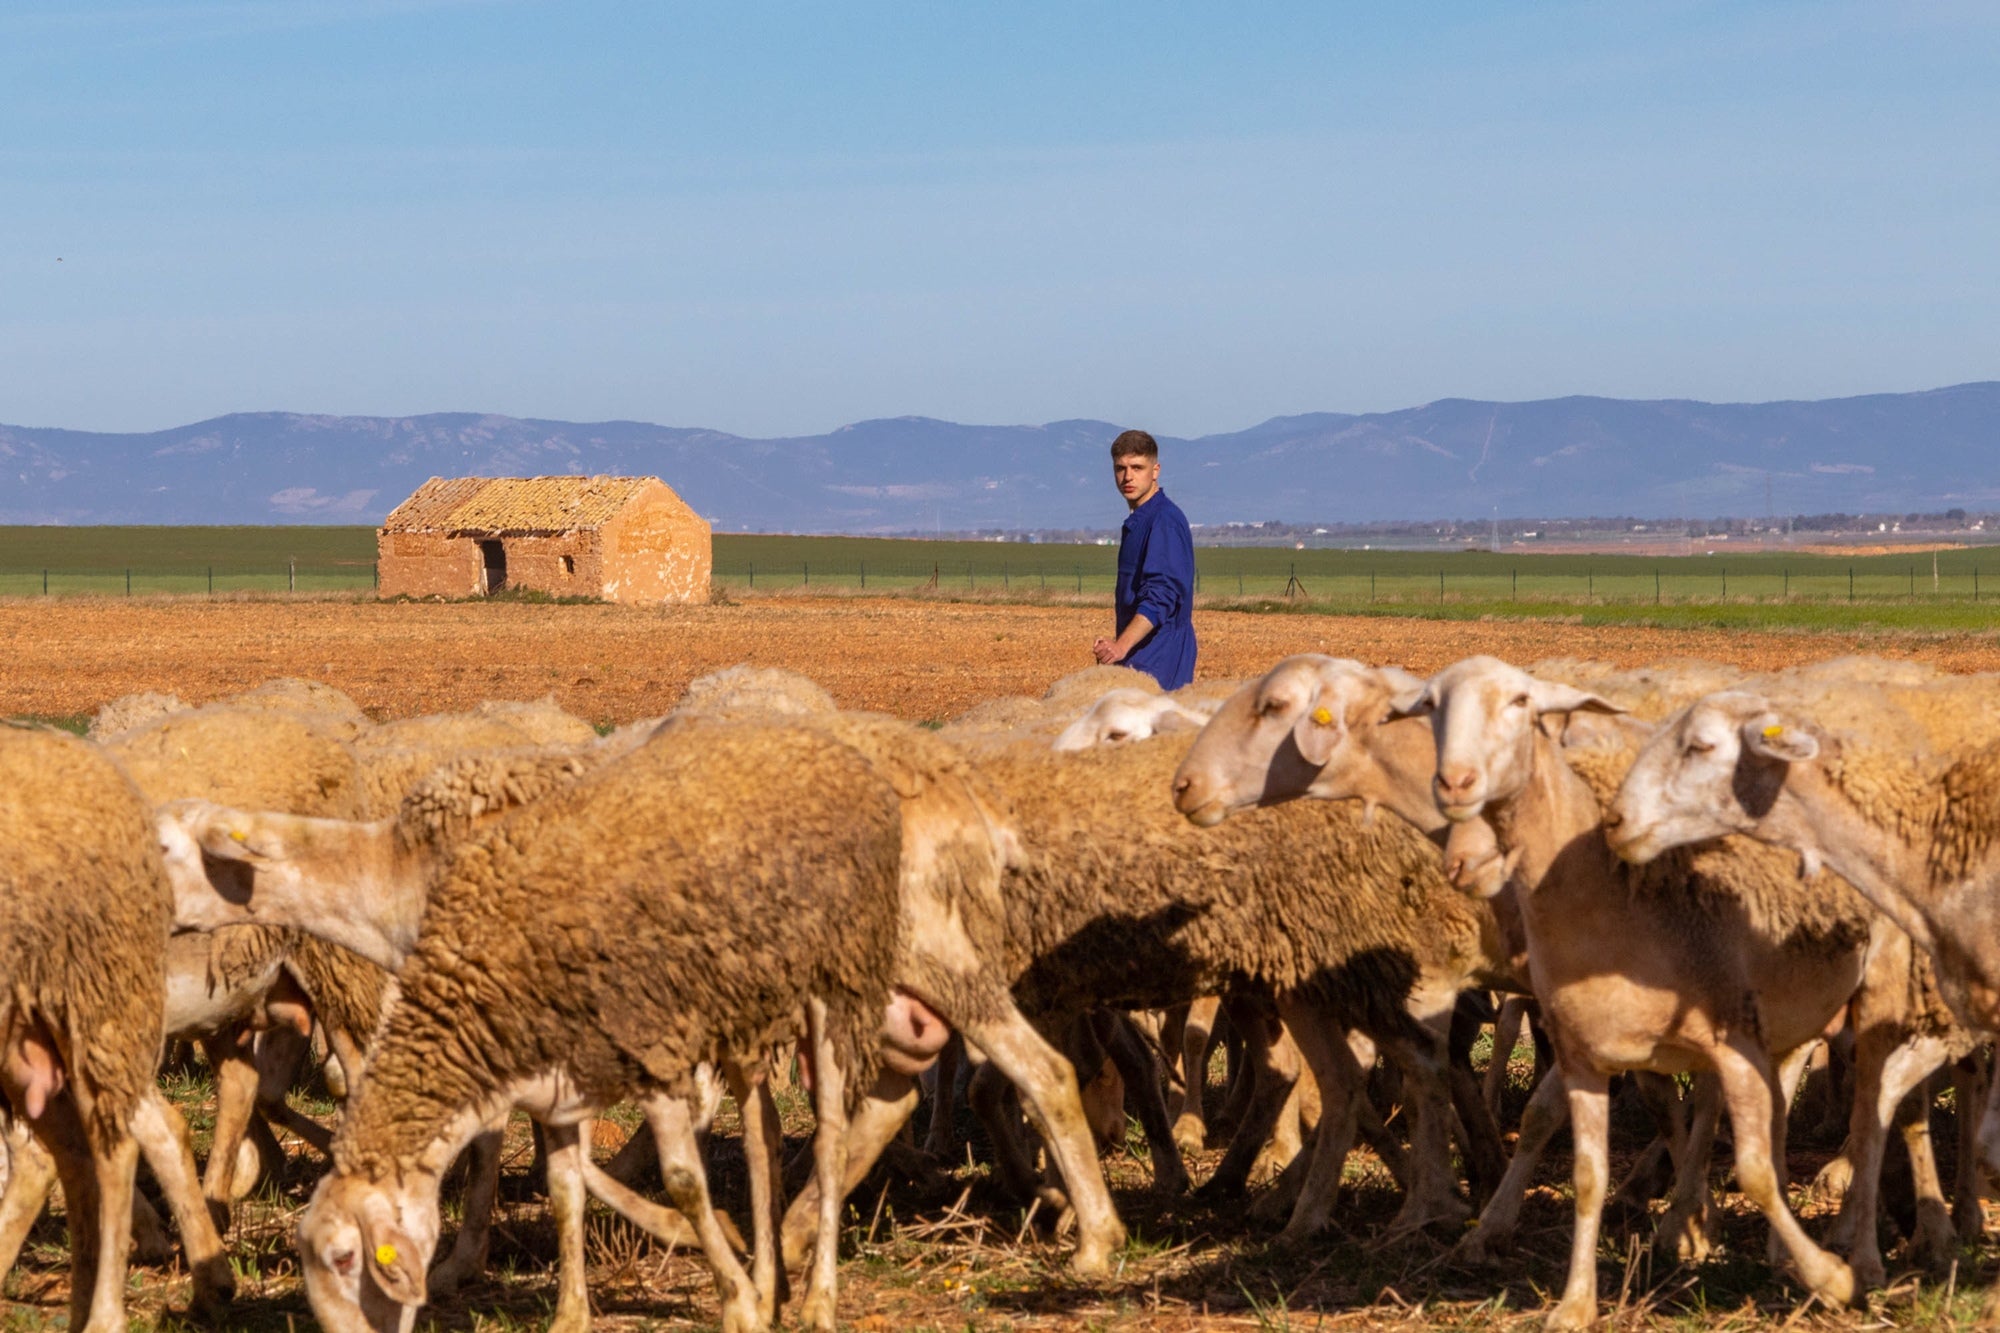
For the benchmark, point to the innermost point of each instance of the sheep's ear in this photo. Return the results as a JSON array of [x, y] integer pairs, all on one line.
[[1173, 720], [1413, 699], [1772, 739], [1400, 681], [232, 835], [1318, 733], [394, 1263], [1549, 696]]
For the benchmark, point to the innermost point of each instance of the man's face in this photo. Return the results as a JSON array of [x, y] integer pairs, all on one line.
[[1136, 475]]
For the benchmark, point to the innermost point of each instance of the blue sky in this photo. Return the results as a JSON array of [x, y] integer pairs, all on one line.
[[775, 219]]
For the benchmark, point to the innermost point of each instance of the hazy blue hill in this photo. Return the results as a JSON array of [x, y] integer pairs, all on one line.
[[1451, 458]]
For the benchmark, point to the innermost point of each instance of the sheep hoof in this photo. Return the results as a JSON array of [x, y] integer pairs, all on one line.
[[1482, 1245], [214, 1289], [1571, 1315], [817, 1312], [1869, 1273], [1687, 1235], [1190, 1135], [1836, 1286], [1833, 1180]]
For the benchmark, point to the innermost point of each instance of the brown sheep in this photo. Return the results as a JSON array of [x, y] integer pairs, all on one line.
[[84, 916], [680, 906]]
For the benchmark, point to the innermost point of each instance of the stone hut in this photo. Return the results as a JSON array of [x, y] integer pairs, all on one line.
[[621, 539]]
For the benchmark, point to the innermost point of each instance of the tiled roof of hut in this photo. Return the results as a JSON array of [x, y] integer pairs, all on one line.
[[512, 504]]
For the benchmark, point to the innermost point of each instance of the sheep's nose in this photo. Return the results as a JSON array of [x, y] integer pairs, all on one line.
[[1612, 819], [1456, 783]]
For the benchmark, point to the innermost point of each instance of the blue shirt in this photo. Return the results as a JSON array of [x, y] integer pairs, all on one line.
[[1156, 580]]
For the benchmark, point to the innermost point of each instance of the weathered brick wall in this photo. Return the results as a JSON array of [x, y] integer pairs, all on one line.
[[538, 563], [427, 564], [657, 550]]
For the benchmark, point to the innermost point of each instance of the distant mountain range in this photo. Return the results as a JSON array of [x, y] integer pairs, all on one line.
[[1456, 458]]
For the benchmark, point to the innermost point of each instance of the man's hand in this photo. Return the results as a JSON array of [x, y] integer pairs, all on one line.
[[1110, 651]]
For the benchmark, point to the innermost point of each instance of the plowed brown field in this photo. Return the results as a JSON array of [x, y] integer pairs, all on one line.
[[917, 658]]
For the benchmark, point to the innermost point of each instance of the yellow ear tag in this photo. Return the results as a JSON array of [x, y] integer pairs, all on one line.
[[385, 1255], [1773, 732], [1323, 716], [239, 835]]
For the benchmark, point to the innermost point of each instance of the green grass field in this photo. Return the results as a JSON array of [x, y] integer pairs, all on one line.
[[1953, 591]]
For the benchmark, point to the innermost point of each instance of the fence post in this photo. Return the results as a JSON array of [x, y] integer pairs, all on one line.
[[1788, 585], [374, 576], [1371, 585], [1850, 583], [45, 584], [1440, 587], [1079, 578], [292, 575], [1006, 582], [1975, 583], [864, 573], [1589, 584], [1725, 585], [1515, 590], [1656, 587], [968, 575], [1239, 583], [128, 582], [211, 580], [805, 566], [753, 573]]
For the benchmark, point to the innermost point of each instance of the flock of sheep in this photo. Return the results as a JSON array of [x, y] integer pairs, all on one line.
[[1671, 871]]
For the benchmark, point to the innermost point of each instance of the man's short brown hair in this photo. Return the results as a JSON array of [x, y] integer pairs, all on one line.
[[1135, 442]]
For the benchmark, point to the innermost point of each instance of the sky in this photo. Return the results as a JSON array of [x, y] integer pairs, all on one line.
[[774, 219]]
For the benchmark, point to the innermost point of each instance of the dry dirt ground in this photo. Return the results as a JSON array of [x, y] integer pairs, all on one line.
[[950, 1253], [917, 658]]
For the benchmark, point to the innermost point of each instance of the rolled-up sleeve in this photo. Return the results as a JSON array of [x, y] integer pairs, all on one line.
[[1164, 586]]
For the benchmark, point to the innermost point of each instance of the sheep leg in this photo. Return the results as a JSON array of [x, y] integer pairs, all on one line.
[[1885, 1071], [1135, 1064], [1791, 1069], [1273, 1066], [686, 1179], [163, 1136], [566, 1200], [1368, 1119], [1506, 1036], [1935, 1240], [871, 1127], [97, 1194], [1590, 1128], [31, 1177], [1341, 1085], [1547, 1110], [1967, 1091], [1190, 1125], [475, 1227], [938, 1139], [1756, 1116], [1689, 1220], [1432, 1197], [762, 1136], [236, 1079], [1047, 1083], [1478, 1133], [829, 1159]]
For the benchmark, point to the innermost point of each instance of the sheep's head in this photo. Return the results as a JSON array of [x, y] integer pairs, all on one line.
[[1128, 715], [1484, 714], [364, 1246], [1300, 731], [1715, 768]]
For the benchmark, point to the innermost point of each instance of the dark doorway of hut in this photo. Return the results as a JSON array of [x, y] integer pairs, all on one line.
[[495, 557]]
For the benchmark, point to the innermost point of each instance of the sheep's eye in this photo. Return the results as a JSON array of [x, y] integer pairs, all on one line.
[[1699, 747], [1270, 707], [1520, 701], [1113, 737]]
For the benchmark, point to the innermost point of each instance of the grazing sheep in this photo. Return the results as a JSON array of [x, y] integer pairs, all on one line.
[[84, 916], [680, 906], [1129, 715], [1323, 727], [395, 756], [1120, 902], [131, 711], [1715, 960]]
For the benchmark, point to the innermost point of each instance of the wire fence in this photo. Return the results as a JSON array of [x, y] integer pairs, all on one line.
[[1352, 583], [186, 581], [1222, 574]]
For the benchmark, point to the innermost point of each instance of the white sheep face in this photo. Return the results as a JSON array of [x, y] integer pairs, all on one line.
[[1483, 715], [364, 1247], [1714, 769], [1286, 736], [1126, 715]]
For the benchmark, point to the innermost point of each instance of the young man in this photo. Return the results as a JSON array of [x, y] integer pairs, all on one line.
[[1155, 571]]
